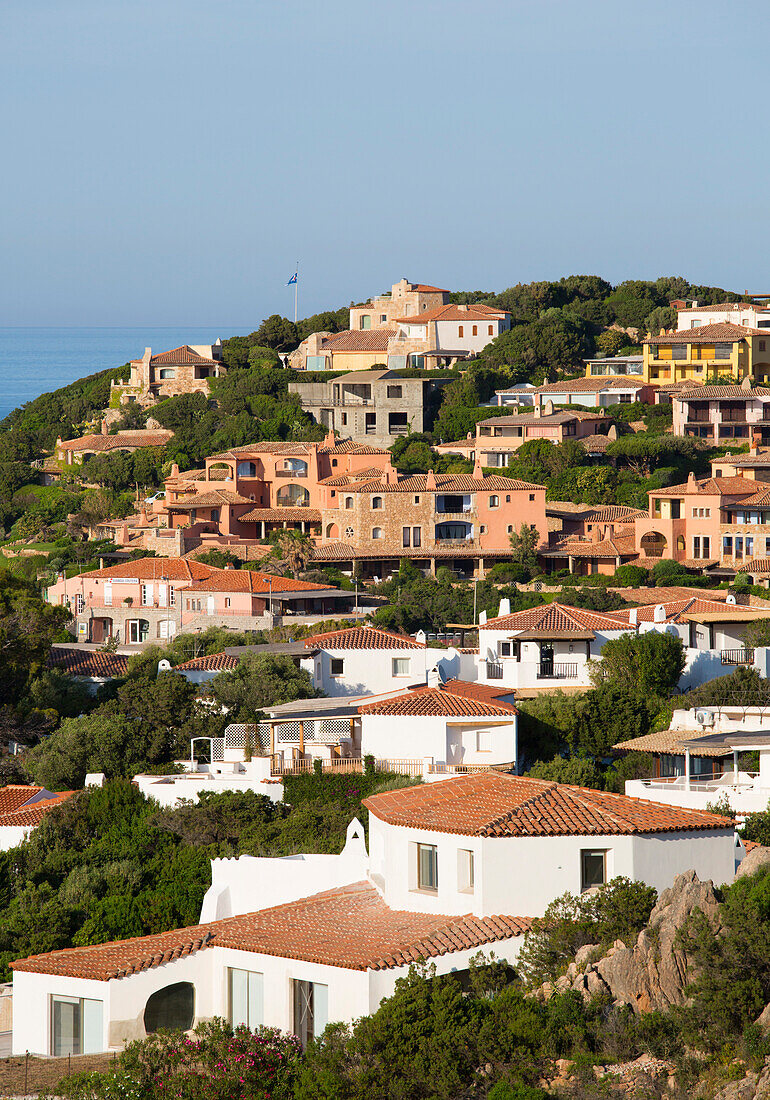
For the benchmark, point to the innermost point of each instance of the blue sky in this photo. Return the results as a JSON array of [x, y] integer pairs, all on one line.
[[167, 161]]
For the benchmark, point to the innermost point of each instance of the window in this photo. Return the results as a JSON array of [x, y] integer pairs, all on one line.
[[311, 1009], [504, 649], [337, 666], [172, 1008], [749, 546], [507, 498], [401, 666], [593, 869], [706, 546], [146, 594], [245, 998], [490, 331], [348, 502], [762, 345], [344, 419], [172, 597], [416, 500], [383, 318], [376, 532], [168, 372], [370, 426], [509, 529], [349, 532], [376, 502], [465, 877], [696, 546], [227, 601], [494, 502], [427, 867], [727, 545], [531, 496], [76, 1026], [475, 330], [406, 536], [365, 321], [108, 594], [460, 330], [625, 398], [417, 536], [395, 391], [80, 604]]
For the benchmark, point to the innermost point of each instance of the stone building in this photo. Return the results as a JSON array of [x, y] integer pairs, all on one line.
[[74, 451], [374, 406], [186, 369]]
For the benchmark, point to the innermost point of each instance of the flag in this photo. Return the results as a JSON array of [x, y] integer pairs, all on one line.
[[292, 280]]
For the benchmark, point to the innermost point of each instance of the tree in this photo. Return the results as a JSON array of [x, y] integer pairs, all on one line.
[[291, 551], [662, 317], [263, 358], [28, 626], [609, 342], [258, 682], [278, 333], [618, 910], [524, 544], [757, 634], [652, 662]]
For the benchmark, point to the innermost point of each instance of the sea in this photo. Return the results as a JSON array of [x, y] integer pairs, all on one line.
[[38, 360]]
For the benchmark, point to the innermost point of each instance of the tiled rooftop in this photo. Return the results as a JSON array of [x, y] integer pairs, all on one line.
[[373, 339], [494, 805], [722, 332], [248, 580], [349, 927], [141, 437], [554, 616], [214, 662], [25, 806], [362, 637], [475, 312], [183, 354], [457, 698], [81, 662], [149, 569]]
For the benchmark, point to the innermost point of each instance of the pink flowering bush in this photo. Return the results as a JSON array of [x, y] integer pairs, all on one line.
[[215, 1062]]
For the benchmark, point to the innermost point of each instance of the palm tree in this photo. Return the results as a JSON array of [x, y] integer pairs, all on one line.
[[292, 551]]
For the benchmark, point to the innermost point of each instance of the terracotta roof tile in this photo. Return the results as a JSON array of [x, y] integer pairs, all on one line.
[[615, 547], [81, 662], [349, 927], [554, 616], [446, 483], [248, 580], [730, 486], [721, 332], [719, 306], [362, 637], [475, 312], [214, 662], [25, 806], [278, 515], [563, 416], [211, 498], [668, 741], [492, 804], [142, 437], [706, 393], [371, 339], [455, 698], [148, 569], [592, 385], [183, 354]]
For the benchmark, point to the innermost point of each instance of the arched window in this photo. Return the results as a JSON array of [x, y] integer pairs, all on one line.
[[680, 544], [172, 1008], [348, 502], [292, 496], [376, 532], [376, 502], [332, 531], [247, 469]]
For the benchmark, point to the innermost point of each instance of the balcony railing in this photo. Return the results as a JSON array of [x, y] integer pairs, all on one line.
[[291, 473], [556, 670], [494, 670], [737, 656]]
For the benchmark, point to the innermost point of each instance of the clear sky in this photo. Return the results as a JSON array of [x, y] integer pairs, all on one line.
[[167, 161]]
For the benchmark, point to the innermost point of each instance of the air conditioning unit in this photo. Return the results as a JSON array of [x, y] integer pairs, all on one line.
[[704, 717]]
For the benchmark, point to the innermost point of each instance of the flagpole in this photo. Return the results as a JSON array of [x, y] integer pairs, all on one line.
[[296, 290]]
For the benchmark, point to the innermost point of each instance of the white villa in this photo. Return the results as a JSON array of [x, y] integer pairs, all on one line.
[[22, 808], [297, 942], [367, 660], [543, 648], [432, 730], [697, 760]]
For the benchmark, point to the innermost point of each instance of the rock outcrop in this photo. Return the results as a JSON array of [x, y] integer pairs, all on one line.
[[753, 1086], [756, 858], [653, 973]]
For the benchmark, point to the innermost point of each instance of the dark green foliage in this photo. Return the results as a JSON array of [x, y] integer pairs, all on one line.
[[28, 626], [586, 725], [618, 911], [652, 662], [260, 681], [557, 341], [118, 470], [745, 687], [733, 982]]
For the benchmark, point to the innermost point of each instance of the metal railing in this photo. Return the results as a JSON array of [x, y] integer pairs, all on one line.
[[291, 473], [494, 670], [355, 765], [553, 670], [743, 656], [701, 782]]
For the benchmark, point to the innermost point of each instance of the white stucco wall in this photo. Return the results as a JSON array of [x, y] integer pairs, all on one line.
[[440, 738], [13, 835], [248, 883], [522, 875], [32, 1007], [370, 671]]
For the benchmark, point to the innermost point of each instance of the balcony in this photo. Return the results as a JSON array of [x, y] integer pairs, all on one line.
[[445, 544], [291, 473], [737, 656], [463, 515], [557, 670], [494, 670]]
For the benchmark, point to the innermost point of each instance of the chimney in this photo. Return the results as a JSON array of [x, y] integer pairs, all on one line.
[[746, 383], [391, 476], [434, 677], [537, 411], [104, 427], [756, 439], [596, 533], [478, 473], [504, 608], [548, 408], [613, 432], [175, 469], [329, 438], [430, 481], [463, 308], [659, 615], [692, 484], [633, 616]]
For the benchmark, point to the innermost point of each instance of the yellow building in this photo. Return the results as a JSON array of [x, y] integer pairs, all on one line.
[[706, 353]]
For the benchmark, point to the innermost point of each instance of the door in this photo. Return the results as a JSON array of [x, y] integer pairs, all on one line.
[[209, 605], [546, 659]]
